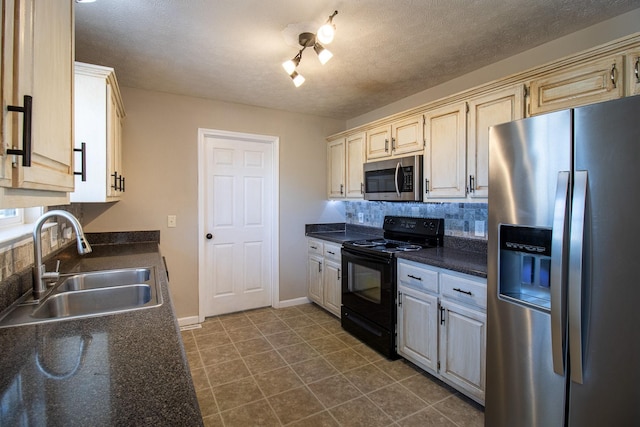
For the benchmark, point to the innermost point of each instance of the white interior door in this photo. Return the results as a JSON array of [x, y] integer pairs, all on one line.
[[237, 222]]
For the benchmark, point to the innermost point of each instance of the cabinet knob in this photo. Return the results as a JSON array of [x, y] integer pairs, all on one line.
[[209, 236]]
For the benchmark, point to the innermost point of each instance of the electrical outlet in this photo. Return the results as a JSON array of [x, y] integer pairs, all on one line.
[[54, 236], [171, 221], [360, 217], [479, 228]]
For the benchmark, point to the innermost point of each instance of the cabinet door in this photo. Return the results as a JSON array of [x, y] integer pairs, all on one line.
[[45, 71], [6, 89], [355, 159], [336, 168], [463, 336], [444, 161], [633, 72], [489, 110], [418, 328], [378, 140], [597, 81], [407, 135], [115, 178], [332, 283], [314, 276]]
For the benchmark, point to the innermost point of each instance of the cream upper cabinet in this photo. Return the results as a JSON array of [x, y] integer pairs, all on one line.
[[345, 157], [633, 72], [99, 113], [40, 45], [336, 169], [444, 153], [407, 135], [355, 159], [595, 81], [485, 111], [378, 139], [395, 139]]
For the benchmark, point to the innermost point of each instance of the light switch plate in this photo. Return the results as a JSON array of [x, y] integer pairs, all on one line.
[[479, 228], [171, 221], [360, 217]]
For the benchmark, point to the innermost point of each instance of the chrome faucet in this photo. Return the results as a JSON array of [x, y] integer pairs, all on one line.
[[40, 275]]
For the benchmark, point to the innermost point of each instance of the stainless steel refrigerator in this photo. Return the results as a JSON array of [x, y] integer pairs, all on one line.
[[563, 315]]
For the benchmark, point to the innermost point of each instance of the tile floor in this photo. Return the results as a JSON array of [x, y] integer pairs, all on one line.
[[297, 367]]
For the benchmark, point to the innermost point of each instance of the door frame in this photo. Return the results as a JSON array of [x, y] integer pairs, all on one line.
[[274, 142]]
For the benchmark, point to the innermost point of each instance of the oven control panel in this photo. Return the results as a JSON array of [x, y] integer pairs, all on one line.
[[420, 226]]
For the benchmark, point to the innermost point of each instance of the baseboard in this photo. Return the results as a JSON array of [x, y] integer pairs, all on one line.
[[292, 302], [185, 321]]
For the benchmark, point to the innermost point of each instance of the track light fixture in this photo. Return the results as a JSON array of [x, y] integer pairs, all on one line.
[[325, 35]]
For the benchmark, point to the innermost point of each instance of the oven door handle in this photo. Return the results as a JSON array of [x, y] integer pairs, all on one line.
[[397, 183], [348, 255]]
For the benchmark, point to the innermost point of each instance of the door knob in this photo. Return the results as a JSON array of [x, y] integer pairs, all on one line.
[[209, 236]]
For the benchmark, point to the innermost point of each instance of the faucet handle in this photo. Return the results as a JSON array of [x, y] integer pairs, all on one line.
[[57, 266]]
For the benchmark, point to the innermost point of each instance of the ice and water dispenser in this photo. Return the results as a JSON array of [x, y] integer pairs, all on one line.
[[525, 263]]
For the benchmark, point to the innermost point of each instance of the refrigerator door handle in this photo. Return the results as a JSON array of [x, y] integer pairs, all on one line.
[[558, 313], [579, 206]]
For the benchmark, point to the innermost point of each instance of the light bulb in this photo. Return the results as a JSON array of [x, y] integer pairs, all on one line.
[[289, 66], [325, 33], [297, 79], [324, 56]]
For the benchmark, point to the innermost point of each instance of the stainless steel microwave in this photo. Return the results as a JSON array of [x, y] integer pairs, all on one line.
[[395, 180]]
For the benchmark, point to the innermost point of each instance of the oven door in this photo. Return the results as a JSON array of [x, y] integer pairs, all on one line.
[[368, 287]]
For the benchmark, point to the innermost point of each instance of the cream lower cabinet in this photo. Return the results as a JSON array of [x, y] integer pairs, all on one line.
[[345, 157], [98, 126], [37, 56], [442, 325], [324, 274]]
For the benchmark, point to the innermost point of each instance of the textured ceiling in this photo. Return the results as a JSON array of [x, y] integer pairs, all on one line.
[[384, 50]]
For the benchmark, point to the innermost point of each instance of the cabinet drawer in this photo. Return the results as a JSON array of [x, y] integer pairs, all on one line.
[[466, 289], [417, 276], [315, 247], [332, 252]]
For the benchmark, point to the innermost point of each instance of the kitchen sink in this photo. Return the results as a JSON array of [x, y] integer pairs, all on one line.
[[87, 302], [102, 279], [88, 294]]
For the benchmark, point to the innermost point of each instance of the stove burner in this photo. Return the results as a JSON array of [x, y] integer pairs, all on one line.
[[409, 248], [368, 243]]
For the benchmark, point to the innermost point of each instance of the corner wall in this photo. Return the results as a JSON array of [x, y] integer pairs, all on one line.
[[160, 145]]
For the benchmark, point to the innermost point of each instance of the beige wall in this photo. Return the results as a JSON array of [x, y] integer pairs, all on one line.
[[612, 29], [160, 160]]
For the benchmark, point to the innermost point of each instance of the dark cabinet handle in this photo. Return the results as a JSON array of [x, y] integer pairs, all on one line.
[[26, 130], [122, 186], [115, 181], [209, 236], [463, 292], [83, 155], [472, 184], [414, 277]]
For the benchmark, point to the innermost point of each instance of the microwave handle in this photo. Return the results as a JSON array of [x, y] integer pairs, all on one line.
[[397, 184]]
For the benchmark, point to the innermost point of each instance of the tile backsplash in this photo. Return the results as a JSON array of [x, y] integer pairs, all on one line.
[[460, 219], [16, 255]]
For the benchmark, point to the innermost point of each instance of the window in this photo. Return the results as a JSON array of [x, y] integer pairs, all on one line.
[[9, 217]]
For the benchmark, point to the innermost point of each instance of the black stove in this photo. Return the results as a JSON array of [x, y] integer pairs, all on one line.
[[402, 234], [369, 278]]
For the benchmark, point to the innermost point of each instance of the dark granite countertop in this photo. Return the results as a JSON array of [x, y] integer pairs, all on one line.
[[121, 369], [341, 232], [473, 263], [458, 254]]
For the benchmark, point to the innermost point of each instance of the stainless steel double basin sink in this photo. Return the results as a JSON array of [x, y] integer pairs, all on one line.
[[89, 294]]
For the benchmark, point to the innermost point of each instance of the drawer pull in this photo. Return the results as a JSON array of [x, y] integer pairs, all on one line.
[[414, 277], [463, 292], [314, 247], [332, 253]]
